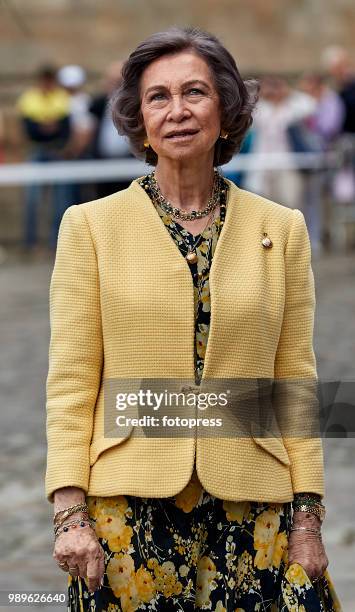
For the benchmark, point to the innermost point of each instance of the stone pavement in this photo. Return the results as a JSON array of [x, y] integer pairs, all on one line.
[[25, 523]]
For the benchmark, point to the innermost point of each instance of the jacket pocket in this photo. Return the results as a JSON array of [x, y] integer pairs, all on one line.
[[271, 443], [103, 444]]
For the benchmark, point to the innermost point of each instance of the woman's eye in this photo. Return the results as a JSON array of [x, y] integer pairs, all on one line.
[[195, 89], [157, 96]]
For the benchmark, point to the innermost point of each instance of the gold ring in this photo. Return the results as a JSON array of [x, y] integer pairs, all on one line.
[[63, 566], [316, 579]]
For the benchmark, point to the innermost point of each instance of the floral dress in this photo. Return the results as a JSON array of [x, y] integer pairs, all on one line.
[[194, 551]]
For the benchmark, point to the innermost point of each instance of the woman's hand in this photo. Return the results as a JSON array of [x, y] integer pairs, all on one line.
[[80, 548], [307, 548]]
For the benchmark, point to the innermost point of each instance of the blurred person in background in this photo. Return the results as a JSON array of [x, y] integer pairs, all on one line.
[[106, 142], [327, 120], [238, 177], [278, 108], [341, 69], [338, 63], [317, 134], [2, 138], [45, 113], [73, 78]]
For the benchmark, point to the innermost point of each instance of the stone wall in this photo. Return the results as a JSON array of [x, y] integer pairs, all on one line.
[[285, 35]]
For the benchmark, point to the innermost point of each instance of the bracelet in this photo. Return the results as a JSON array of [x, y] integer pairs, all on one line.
[[69, 511], [307, 500], [316, 531], [318, 510], [74, 524], [85, 517], [314, 496]]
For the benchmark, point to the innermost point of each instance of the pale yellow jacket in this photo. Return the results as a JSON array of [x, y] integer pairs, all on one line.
[[122, 306]]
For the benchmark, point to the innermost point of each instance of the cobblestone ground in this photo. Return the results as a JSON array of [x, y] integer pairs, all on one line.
[[25, 530]]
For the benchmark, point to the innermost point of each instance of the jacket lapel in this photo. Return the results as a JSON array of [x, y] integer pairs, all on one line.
[[223, 268]]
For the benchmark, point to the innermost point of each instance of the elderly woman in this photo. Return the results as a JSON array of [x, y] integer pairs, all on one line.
[[182, 277]]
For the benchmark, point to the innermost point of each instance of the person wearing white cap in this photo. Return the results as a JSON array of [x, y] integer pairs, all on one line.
[[73, 78]]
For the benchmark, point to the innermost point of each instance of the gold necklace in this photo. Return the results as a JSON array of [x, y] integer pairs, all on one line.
[[191, 255], [179, 213]]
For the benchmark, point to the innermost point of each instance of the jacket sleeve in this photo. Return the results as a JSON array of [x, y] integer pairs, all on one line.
[[295, 369], [75, 354]]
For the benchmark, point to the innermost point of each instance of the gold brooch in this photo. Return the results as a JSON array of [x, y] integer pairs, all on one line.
[[266, 242]]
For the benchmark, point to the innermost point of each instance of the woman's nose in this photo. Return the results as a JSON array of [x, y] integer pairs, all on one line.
[[178, 108]]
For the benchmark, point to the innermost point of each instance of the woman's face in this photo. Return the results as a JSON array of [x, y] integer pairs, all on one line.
[[178, 96]]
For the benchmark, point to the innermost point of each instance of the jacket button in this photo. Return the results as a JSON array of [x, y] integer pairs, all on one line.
[[266, 242]]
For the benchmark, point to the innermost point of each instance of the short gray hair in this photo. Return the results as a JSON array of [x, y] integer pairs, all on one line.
[[237, 97]]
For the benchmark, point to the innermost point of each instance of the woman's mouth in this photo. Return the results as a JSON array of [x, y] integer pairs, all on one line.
[[182, 135]]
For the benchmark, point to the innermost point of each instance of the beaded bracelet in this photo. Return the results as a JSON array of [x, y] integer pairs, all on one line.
[[85, 517], [73, 524]]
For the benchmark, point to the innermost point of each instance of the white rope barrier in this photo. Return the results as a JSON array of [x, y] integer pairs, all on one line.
[[95, 171]]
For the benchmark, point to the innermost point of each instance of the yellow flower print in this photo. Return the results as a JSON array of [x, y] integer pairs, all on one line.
[[144, 584], [152, 563], [120, 570], [130, 600], [183, 570], [285, 556], [187, 499], [166, 218], [265, 533], [168, 567], [113, 506], [236, 511], [220, 607], [165, 579], [177, 588], [289, 597], [201, 344], [195, 551], [206, 298], [279, 548], [203, 247], [297, 575], [114, 530], [113, 607], [92, 505], [245, 569], [206, 571]]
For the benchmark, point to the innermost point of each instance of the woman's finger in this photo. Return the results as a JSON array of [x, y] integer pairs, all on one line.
[[81, 562], [94, 574], [73, 570], [102, 567]]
